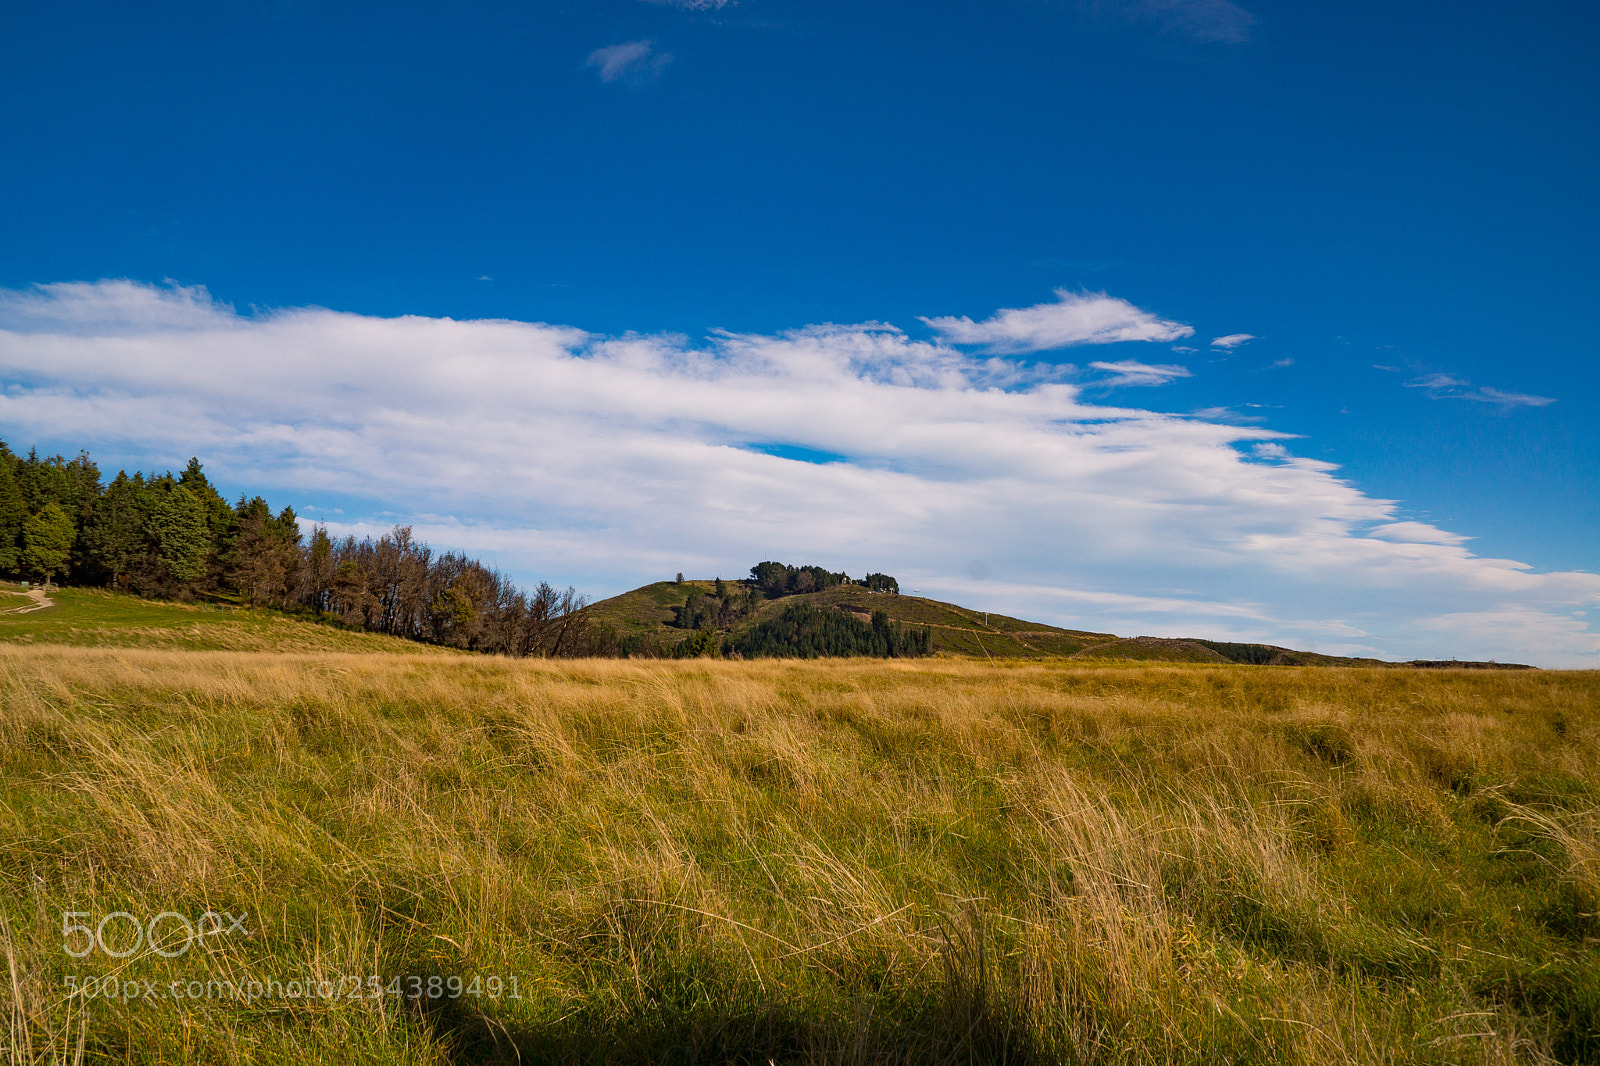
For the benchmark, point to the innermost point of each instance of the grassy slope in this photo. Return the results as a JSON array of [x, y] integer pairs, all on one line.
[[98, 617], [956, 630], [848, 861]]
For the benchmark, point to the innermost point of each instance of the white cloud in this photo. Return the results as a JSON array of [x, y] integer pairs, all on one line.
[[694, 5], [77, 307], [1074, 319], [1232, 340], [633, 61], [1417, 533], [608, 461], [1521, 634], [1450, 387], [1279, 364], [1130, 372]]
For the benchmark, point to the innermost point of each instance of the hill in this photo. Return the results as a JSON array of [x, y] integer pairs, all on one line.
[[648, 613], [88, 617], [644, 622]]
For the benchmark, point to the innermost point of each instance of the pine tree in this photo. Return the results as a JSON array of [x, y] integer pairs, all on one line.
[[115, 538], [47, 542], [183, 540]]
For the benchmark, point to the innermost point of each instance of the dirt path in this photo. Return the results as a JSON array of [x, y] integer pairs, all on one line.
[[40, 602]]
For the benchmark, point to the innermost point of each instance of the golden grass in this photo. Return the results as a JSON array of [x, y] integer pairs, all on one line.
[[840, 861]]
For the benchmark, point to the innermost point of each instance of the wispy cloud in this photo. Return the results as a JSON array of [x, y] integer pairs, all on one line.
[[613, 460], [636, 62], [1131, 372], [1225, 414], [1075, 318], [1485, 394], [694, 5], [1449, 387], [1232, 340], [1436, 382]]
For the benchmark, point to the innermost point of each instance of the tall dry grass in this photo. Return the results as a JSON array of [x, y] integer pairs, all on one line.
[[843, 862]]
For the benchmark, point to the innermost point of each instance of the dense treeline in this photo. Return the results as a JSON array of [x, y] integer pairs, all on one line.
[[778, 579], [176, 537], [806, 631]]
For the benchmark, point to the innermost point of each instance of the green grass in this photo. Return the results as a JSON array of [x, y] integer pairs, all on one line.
[[86, 617], [937, 861]]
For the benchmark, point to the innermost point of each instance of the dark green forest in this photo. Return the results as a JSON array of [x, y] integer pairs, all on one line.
[[806, 631]]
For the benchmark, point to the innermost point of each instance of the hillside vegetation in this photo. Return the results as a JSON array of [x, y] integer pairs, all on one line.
[[932, 860], [679, 619]]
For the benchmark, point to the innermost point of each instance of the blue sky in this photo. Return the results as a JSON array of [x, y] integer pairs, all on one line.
[[1397, 206]]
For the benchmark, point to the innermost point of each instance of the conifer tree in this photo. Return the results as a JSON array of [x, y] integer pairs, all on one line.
[[47, 542], [115, 539], [183, 541]]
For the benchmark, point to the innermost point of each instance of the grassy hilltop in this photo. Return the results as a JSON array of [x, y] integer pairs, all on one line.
[[648, 613], [845, 861]]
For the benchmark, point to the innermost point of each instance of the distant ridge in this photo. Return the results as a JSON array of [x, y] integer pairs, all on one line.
[[648, 621]]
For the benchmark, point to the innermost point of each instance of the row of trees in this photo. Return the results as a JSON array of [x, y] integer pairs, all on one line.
[[777, 580], [42, 504], [397, 585], [177, 537]]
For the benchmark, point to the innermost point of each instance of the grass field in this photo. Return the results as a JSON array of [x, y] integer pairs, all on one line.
[[88, 617], [846, 861]]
